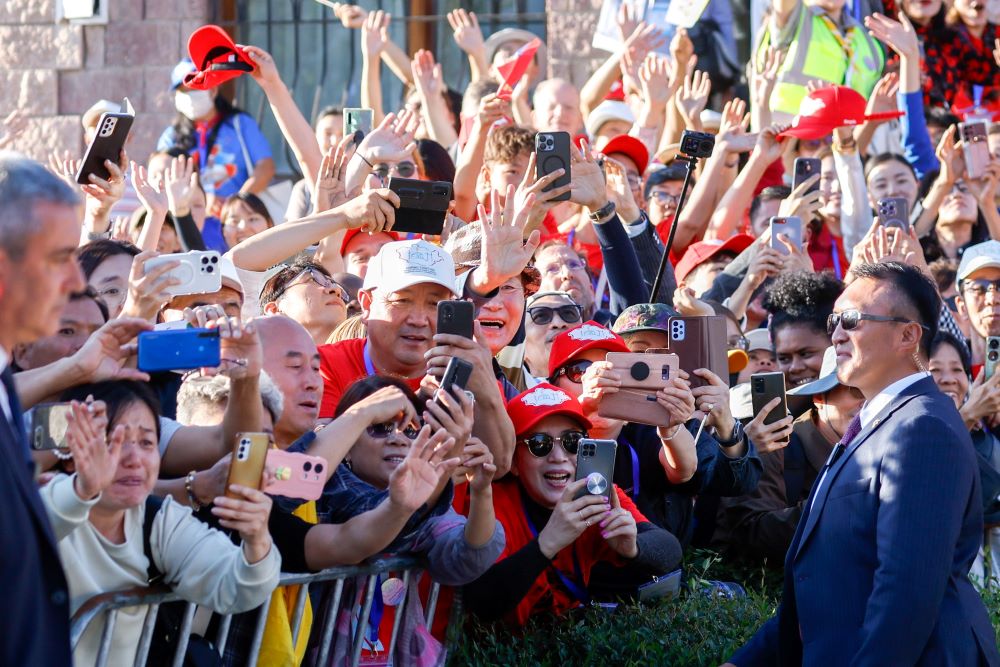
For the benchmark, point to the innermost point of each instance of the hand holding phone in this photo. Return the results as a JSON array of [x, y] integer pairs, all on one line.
[[456, 317], [770, 406], [595, 462], [47, 425], [551, 154], [423, 205], [197, 272], [791, 228], [297, 476], [247, 465], [179, 350], [109, 140], [804, 169], [894, 212], [975, 149]]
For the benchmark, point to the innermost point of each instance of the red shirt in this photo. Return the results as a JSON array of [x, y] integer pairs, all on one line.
[[827, 252], [341, 365]]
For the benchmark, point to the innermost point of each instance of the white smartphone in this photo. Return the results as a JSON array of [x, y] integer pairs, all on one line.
[[790, 227], [198, 273]]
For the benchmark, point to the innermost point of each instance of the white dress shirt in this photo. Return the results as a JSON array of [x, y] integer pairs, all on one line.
[[871, 408]]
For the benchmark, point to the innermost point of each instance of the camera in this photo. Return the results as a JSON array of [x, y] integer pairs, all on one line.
[[993, 343], [640, 371], [678, 330], [208, 263], [108, 126], [243, 451], [697, 144], [546, 142]]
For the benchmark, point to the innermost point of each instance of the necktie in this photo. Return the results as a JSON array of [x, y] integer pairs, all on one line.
[[852, 431]]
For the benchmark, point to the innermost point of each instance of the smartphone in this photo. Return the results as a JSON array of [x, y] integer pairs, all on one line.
[[764, 388], [804, 169], [595, 462], [198, 273], [700, 342], [894, 212], [247, 465], [790, 227], [112, 132], [552, 153], [456, 317], [643, 374], [297, 476], [357, 120], [47, 426], [178, 350], [992, 355], [975, 148], [423, 205], [456, 376]]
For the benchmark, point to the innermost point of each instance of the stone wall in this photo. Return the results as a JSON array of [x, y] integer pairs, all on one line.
[[570, 28], [54, 72]]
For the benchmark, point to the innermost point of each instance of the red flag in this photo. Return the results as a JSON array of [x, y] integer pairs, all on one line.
[[514, 69]]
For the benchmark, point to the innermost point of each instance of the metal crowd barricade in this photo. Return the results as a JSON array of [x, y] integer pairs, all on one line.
[[108, 604]]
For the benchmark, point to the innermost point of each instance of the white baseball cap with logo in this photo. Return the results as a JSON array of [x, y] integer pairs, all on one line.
[[983, 255], [400, 264]]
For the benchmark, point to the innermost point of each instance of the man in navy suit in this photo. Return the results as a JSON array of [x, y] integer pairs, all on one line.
[[877, 573], [40, 217]]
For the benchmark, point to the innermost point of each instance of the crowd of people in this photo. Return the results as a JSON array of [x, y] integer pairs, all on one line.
[[874, 482]]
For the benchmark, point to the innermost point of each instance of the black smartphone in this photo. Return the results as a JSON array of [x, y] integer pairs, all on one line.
[[764, 388], [47, 427], [112, 132], [551, 154], [456, 376], [804, 169], [456, 317], [992, 355], [423, 205], [595, 462], [894, 212], [179, 350]]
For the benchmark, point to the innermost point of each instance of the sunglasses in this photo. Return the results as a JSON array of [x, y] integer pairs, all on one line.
[[385, 429], [540, 444], [402, 169], [574, 371], [850, 319], [568, 314]]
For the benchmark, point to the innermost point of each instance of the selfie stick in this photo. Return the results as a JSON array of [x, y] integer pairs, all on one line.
[[690, 162]]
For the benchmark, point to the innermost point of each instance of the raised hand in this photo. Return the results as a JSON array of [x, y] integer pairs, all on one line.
[[763, 80], [247, 516], [692, 98], [414, 480], [427, 75], [619, 191], [949, 154], [587, 187], [801, 203], [900, 36], [626, 20], [544, 201], [883, 98], [11, 128], [106, 353], [375, 34], [181, 180], [148, 291], [769, 147], [103, 194], [654, 79], [392, 140], [687, 303], [732, 135], [329, 190], [505, 252], [265, 72], [388, 404], [677, 398], [619, 530], [492, 109], [477, 465], [465, 29], [152, 194], [94, 458], [769, 437], [350, 16]]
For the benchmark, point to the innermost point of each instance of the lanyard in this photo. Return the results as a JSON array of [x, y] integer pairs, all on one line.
[[635, 465], [375, 616], [369, 366], [574, 586]]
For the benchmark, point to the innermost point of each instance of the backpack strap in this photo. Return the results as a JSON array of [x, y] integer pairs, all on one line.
[[795, 470], [153, 504]]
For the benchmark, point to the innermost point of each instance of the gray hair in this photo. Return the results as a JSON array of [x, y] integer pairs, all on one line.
[[24, 183], [200, 392]]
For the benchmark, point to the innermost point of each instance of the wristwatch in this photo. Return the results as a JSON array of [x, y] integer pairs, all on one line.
[[603, 213], [98, 236], [735, 438]]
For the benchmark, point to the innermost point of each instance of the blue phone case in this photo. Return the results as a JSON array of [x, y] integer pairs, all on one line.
[[178, 350]]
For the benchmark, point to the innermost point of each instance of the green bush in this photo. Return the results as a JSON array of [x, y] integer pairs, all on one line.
[[692, 629]]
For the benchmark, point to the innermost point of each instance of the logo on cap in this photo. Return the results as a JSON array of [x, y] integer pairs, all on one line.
[[420, 260], [590, 332], [811, 105], [544, 396]]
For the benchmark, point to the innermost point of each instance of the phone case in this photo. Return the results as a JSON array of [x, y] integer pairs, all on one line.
[[975, 148], [112, 132], [668, 585], [48, 426], [894, 212], [357, 118], [247, 465], [456, 317], [642, 375], [296, 475], [456, 375], [178, 350], [700, 342], [199, 271], [764, 387], [790, 227], [423, 205], [595, 462], [992, 355], [552, 153], [804, 169]]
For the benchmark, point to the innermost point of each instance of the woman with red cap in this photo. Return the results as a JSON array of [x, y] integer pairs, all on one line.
[[553, 538]]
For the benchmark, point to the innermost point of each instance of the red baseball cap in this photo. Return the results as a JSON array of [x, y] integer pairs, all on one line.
[[541, 401], [824, 110], [630, 146], [588, 336], [215, 58], [617, 92], [704, 250], [351, 233]]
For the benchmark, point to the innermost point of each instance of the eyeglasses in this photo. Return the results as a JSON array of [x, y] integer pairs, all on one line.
[[543, 314], [739, 343], [849, 319], [663, 198], [315, 276], [980, 286], [385, 429], [571, 264], [540, 444], [405, 169], [574, 371]]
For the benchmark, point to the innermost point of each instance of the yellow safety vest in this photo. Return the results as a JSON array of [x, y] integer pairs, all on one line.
[[853, 59]]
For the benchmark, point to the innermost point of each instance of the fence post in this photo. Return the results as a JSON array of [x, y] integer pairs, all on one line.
[[330, 621], [185, 634], [366, 609], [146, 638], [109, 629]]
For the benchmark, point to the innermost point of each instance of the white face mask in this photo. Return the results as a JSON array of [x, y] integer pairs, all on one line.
[[195, 104]]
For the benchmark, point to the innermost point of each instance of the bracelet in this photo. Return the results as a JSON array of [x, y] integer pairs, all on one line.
[[365, 160], [189, 487], [845, 148], [671, 436]]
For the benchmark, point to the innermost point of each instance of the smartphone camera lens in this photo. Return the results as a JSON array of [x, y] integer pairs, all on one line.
[[204, 260], [307, 466], [215, 260], [994, 344], [993, 355], [209, 269], [319, 468]]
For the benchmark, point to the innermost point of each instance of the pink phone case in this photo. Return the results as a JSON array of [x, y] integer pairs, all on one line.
[[296, 475]]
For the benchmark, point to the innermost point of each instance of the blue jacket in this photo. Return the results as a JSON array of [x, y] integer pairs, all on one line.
[[877, 573]]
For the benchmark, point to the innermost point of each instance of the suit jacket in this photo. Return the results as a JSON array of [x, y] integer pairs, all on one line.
[[877, 572], [36, 625]]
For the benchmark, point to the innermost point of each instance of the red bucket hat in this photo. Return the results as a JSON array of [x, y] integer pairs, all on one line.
[[824, 110], [216, 58], [541, 401], [588, 336]]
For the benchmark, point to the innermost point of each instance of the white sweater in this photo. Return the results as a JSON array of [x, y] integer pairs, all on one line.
[[199, 563]]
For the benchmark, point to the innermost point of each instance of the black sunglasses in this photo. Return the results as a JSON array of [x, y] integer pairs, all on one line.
[[385, 429], [540, 444], [850, 319], [543, 314], [574, 371], [404, 169]]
